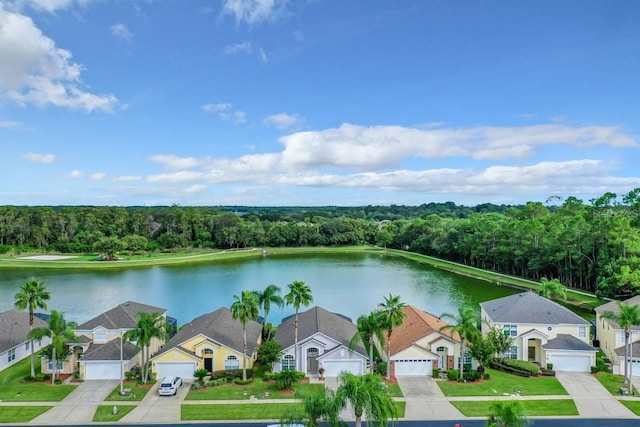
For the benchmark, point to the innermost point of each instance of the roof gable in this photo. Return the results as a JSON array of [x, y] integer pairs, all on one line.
[[122, 316], [14, 327], [416, 325], [612, 306], [530, 308]]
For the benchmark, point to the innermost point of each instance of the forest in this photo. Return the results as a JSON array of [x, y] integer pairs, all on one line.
[[592, 246]]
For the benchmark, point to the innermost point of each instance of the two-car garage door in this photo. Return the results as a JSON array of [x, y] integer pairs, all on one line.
[[408, 367], [180, 369], [102, 370], [333, 368], [572, 363]]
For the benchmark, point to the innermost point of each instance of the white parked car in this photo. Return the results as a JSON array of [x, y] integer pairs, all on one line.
[[169, 386]]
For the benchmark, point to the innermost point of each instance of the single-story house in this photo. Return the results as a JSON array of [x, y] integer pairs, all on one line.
[[611, 337], [14, 344], [323, 342], [419, 345], [213, 341], [543, 331]]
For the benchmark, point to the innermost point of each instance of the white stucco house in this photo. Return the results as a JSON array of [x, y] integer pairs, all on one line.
[[14, 345], [542, 331], [323, 342], [612, 339]]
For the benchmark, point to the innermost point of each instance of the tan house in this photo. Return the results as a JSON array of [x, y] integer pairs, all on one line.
[[612, 339], [14, 344], [543, 331], [213, 341], [96, 355], [419, 345]]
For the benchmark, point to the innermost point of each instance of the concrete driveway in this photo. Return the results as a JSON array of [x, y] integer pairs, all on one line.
[[590, 397], [425, 400], [156, 409], [80, 405]]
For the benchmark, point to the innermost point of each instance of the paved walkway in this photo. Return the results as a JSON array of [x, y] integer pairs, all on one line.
[[425, 400], [591, 398], [80, 405], [156, 409]]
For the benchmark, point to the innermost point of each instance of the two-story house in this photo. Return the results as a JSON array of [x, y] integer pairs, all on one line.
[[14, 344], [612, 339], [542, 331]]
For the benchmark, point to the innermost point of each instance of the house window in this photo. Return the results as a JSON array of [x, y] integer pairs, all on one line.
[[620, 337], [58, 365], [231, 362], [441, 349], [100, 337], [11, 355], [207, 351], [512, 353], [27, 345], [511, 330], [288, 362], [582, 331]]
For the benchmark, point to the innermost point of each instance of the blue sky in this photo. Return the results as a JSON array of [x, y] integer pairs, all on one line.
[[317, 102]]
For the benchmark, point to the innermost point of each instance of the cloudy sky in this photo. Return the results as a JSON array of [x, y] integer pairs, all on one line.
[[317, 102]]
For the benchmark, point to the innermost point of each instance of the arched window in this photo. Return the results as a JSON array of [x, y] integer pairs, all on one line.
[[441, 349], [288, 362], [207, 352], [231, 362]]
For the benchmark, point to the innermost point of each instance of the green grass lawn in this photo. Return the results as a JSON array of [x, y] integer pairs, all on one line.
[[613, 383], [137, 393], [14, 389], [504, 383], [21, 414], [633, 405], [104, 413], [533, 408], [394, 390], [258, 388], [241, 411]]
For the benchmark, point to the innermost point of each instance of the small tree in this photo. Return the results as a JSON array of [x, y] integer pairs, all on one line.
[[200, 374], [134, 243], [549, 288], [507, 413], [483, 350], [288, 377], [109, 246], [269, 352], [501, 341]]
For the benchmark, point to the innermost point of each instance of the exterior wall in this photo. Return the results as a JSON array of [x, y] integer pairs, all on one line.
[[609, 338], [21, 351], [318, 340], [413, 352], [68, 366]]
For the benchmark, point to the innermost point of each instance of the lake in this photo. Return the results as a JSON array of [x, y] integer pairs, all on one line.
[[350, 284]]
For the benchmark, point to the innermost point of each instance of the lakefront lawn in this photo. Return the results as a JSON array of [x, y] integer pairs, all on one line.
[[13, 387], [502, 383]]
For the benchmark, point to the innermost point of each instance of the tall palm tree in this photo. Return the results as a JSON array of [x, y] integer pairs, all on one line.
[[627, 316], [507, 414], [368, 396], [391, 315], [244, 308], [32, 296], [61, 332], [549, 288], [369, 332], [299, 295], [148, 326], [465, 323], [270, 295]]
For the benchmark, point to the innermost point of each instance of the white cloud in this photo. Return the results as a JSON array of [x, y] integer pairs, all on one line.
[[45, 5], [284, 121], [196, 189], [98, 176], [253, 11], [127, 178], [34, 71], [121, 31], [75, 174], [8, 124], [244, 47], [176, 163], [216, 108], [39, 158], [225, 112]]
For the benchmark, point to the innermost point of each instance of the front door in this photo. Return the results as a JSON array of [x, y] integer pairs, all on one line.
[[532, 354], [208, 364], [312, 360]]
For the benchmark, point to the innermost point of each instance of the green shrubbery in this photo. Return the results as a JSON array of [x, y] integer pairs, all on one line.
[[230, 373], [218, 382], [436, 373], [523, 365], [452, 374], [240, 381]]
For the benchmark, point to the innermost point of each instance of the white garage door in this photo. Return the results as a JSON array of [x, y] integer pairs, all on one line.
[[332, 368], [407, 367], [102, 371], [563, 362], [179, 369]]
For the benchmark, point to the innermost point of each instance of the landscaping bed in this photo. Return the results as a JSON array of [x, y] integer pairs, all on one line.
[[21, 414], [533, 408], [259, 389], [104, 413], [502, 383], [240, 411]]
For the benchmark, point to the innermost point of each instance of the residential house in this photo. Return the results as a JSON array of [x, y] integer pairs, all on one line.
[[420, 344], [543, 331], [14, 344], [611, 337], [213, 341], [323, 342]]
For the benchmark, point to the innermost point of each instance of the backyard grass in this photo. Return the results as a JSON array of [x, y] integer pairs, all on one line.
[[104, 413], [14, 389], [533, 408], [613, 383], [258, 389], [633, 405], [240, 411], [137, 393], [501, 383], [21, 414]]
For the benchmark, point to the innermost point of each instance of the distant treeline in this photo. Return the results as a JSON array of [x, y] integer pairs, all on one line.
[[593, 246]]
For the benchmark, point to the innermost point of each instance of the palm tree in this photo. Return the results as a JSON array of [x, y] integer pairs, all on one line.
[[244, 308], [464, 323], [391, 315], [271, 294], [369, 332], [368, 395], [61, 332], [299, 295], [148, 326], [321, 407], [549, 288], [627, 316], [33, 295], [507, 413]]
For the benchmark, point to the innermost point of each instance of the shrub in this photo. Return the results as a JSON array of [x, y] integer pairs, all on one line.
[[381, 368], [240, 381], [436, 373], [129, 375], [196, 386], [230, 373], [550, 366], [268, 376], [286, 379], [523, 365], [58, 381], [452, 374], [504, 368], [487, 376], [472, 375], [548, 373], [216, 383], [200, 374]]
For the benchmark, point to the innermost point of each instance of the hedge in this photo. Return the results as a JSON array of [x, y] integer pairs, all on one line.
[[230, 373], [504, 368], [523, 365]]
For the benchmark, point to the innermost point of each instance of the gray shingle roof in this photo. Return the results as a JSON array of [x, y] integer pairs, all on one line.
[[635, 350], [110, 351], [14, 327], [122, 316], [613, 307], [529, 307], [567, 342], [219, 326], [315, 320]]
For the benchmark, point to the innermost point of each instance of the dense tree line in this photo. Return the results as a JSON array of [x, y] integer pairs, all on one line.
[[593, 246]]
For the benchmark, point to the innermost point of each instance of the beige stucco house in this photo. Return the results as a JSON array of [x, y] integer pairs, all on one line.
[[612, 339]]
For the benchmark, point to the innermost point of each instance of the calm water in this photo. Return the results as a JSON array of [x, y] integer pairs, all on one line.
[[350, 284]]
